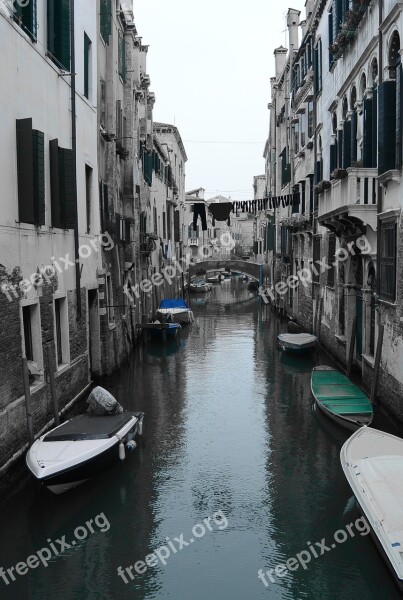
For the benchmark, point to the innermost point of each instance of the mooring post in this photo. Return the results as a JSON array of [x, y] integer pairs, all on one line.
[[51, 373], [352, 347], [378, 356], [28, 406]]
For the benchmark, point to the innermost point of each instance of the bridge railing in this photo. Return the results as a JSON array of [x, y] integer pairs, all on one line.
[[246, 267]]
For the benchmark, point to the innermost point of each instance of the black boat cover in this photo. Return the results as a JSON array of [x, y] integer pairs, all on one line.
[[88, 427]]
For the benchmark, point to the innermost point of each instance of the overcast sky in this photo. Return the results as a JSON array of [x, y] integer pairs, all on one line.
[[210, 65]]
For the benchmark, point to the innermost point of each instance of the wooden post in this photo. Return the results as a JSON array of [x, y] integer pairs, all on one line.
[[51, 373], [320, 318], [374, 387], [28, 400], [352, 347]]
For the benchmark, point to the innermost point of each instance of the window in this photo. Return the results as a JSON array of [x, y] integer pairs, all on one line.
[[176, 226], [285, 169], [331, 260], [388, 261], [318, 67], [105, 19], [59, 32], [316, 259], [310, 119], [109, 300], [122, 56], [88, 195], [61, 332], [304, 124], [30, 173], [63, 186], [155, 220], [32, 339], [26, 16], [87, 65], [387, 126], [169, 222], [119, 120], [102, 108], [26, 317]]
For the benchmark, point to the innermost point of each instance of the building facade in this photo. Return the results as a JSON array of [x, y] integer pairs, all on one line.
[[333, 170]]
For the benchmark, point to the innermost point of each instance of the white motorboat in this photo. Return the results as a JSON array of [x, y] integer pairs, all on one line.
[[176, 311], [372, 462], [83, 447], [296, 342]]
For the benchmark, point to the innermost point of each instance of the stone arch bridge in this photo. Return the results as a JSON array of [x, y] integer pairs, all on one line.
[[254, 270]]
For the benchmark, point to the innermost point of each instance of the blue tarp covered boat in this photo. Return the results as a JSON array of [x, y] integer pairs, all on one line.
[[175, 310]]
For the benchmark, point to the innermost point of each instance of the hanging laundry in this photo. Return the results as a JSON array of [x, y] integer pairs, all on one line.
[[199, 210], [221, 212]]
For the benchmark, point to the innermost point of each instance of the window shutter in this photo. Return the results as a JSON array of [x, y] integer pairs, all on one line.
[[87, 44], [340, 148], [59, 31], [387, 126], [25, 175], [176, 226], [118, 237], [330, 28], [330, 260], [270, 236], [333, 158], [354, 123], [38, 156], [367, 143], [64, 33], [316, 258], [374, 158], [337, 17], [122, 56], [106, 19], [55, 184], [27, 16], [346, 144], [67, 188], [127, 231], [399, 128]]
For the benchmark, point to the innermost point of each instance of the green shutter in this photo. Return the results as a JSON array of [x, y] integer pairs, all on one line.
[[106, 19], [59, 32], [333, 157], [346, 144], [354, 124], [38, 156], [55, 183], [87, 45], [25, 176], [27, 16], [387, 126], [340, 148], [374, 158], [368, 133], [176, 226], [330, 28], [399, 128]]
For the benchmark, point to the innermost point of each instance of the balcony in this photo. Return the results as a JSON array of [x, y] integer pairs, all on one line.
[[193, 242], [350, 204]]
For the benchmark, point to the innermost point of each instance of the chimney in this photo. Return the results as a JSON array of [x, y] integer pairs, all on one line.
[[280, 58], [303, 28], [293, 24]]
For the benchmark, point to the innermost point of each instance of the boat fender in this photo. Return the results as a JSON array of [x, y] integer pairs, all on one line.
[[130, 446], [140, 431], [122, 452]]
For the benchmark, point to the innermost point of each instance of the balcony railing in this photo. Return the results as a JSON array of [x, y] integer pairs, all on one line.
[[359, 187], [350, 199], [193, 242]]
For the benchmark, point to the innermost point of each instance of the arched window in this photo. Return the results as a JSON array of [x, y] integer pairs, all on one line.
[[344, 108], [353, 97], [394, 54], [363, 85], [374, 71]]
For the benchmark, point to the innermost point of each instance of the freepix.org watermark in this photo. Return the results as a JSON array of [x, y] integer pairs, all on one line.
[[316, 550], [55, 548], [305, 275], [57, 266], [163, 553]]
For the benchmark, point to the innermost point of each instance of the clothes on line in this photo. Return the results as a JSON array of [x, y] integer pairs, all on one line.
[[199, 210]]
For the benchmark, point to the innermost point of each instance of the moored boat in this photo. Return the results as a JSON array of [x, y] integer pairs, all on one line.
[[296, 342], [198, 286], [293, 327], [340, 399], [372, 462], [85, 445], [176, 310], [171, 330]]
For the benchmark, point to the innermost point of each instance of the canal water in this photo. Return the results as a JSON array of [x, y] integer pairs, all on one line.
[[234, 457]]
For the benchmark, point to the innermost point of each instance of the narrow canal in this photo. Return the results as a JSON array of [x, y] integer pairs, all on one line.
[[231, 434]]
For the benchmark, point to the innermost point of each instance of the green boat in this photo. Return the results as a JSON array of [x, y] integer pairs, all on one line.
[[340, 399]]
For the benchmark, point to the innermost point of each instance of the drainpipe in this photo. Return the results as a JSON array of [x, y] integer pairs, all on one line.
[[74, 152], [380, 189]]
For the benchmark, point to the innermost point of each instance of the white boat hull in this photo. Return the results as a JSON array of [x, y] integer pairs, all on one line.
[[178, 315], [372, 462]]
